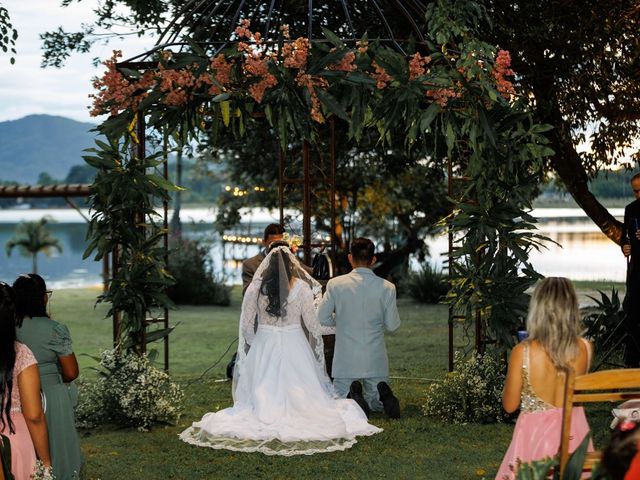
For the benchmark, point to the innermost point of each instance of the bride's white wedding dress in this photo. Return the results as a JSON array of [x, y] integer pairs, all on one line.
[[284, 403]]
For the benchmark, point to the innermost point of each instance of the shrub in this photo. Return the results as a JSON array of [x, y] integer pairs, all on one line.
[[605, 325], [427, 285], [196, 284], [470, 394], [129, 392]]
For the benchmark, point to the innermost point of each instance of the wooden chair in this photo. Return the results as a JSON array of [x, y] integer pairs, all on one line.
[[602, 386]]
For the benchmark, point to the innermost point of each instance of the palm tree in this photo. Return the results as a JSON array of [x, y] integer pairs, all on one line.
[[32, 238]]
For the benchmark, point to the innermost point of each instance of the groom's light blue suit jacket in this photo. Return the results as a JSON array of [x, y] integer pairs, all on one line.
[[362, 306]]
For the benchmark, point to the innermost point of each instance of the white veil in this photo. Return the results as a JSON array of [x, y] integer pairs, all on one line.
[[271, 285]]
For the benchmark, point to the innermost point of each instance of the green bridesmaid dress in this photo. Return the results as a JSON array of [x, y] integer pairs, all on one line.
[[49, 340]]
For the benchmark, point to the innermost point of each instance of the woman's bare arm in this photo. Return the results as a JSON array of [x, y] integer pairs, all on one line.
[[29, 386], [69, 367], [513, 382]]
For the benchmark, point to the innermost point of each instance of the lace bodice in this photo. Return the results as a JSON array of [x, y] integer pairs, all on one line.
[[529, 401], [299, 307], [24, 359]]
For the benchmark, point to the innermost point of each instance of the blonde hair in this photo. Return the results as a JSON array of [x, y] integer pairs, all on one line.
[[554, 320]]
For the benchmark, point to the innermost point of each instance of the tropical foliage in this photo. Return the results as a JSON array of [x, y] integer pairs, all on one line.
[[31, 238], [426, 285], [192, 270], [605, 324], [124, 198], [450, 99]]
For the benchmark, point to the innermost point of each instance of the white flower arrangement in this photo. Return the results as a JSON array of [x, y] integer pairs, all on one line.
[[42, 473], [130, 392], [471, 393]]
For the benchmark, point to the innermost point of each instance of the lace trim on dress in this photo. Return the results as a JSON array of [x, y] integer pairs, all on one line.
[[196, 436], [529, 401]]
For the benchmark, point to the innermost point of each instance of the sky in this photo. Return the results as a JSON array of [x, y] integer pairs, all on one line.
[[26, 88]]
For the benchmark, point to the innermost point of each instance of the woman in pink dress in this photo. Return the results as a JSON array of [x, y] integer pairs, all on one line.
[[22, 418], [536, 376]]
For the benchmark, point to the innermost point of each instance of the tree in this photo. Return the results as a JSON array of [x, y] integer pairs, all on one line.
[[579, 61], [32, 238], [8, 34], [388, 193]]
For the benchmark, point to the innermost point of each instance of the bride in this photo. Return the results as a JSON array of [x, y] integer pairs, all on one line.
[[283, 400]]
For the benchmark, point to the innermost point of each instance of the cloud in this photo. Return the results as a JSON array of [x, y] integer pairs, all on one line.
[[25, 88]]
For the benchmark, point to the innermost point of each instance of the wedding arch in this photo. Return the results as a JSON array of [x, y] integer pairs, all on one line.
[[237, 65]]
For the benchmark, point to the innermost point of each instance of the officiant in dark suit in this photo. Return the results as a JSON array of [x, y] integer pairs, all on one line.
[[272, 233], [630, 242]]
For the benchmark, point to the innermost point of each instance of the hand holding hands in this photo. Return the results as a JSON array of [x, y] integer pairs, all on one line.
[[626, 249]]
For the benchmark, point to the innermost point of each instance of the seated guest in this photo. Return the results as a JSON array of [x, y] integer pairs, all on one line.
[[50, 342], [536, 376], [22, 418]]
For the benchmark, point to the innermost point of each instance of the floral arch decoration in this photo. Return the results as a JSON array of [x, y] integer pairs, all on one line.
[[463, 98]]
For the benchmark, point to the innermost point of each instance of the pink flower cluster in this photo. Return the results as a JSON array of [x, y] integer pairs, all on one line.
[[418, 65], [256, 62], [442, 95], [310, 83], [346, 64], [381, 76], [295, 54], [115, 91], [177, 85], [501, 70]]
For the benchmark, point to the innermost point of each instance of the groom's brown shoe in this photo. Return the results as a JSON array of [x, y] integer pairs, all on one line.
[[390, 403], [355, 394]]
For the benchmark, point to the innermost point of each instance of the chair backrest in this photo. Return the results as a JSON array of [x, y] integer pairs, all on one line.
[[602, 386]]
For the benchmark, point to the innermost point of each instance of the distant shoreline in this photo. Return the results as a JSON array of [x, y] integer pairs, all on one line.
[[201, 214]]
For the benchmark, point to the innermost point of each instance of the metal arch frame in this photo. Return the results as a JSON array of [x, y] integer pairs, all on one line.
[[208, 8]]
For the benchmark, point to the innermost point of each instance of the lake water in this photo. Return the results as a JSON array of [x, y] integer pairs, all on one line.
[[583, 253]]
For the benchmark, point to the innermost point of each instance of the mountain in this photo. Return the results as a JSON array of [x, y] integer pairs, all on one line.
[[42, 143]]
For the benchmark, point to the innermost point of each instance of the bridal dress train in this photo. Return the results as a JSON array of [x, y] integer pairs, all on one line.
[[284, 403]]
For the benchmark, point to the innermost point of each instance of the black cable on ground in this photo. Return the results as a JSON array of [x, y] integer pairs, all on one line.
[[212, 366]]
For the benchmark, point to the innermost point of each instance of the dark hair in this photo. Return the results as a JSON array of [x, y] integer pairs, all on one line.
[[622, 447], [273, 229], [30, 290], [362, 250], [270, 286], [278, 243], [7, 352]]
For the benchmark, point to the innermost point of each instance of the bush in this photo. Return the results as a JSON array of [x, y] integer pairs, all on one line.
[[195, 282], [130, 392], [605, 325], [427, 285], [470, 394]]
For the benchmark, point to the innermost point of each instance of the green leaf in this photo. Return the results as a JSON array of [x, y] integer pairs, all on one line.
[[428, 116], [332, 104], [332, 37]]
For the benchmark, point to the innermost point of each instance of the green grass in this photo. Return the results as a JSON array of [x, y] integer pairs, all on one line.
[[415, 447]]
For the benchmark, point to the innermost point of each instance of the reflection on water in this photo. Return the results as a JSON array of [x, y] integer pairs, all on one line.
[[583, 253]]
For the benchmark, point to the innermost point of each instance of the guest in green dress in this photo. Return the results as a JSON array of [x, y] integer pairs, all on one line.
[[50, 342]]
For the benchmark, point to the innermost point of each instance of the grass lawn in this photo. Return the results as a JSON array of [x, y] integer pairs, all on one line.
[[414, 447]]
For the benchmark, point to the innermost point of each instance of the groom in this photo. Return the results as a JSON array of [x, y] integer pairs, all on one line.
[[362, 306]]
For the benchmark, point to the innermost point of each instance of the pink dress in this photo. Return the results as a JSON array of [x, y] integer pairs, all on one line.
[[537, 432], [23, 455]]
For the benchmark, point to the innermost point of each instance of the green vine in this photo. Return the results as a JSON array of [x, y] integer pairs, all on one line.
[[124, 200]]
